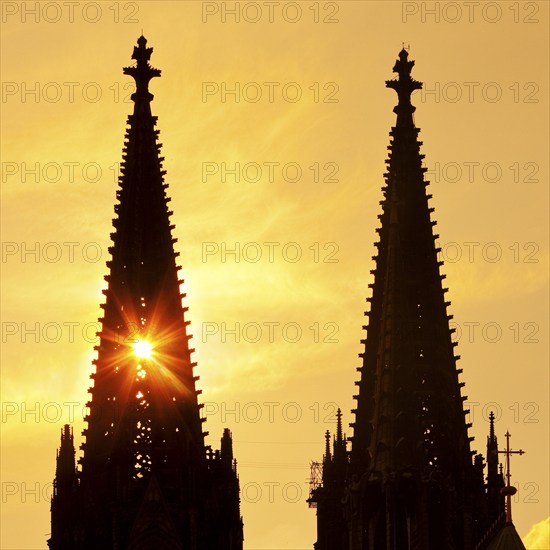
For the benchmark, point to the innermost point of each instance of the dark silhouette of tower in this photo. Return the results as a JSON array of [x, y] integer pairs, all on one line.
[[327, 498], [410, 480], [147, 479]]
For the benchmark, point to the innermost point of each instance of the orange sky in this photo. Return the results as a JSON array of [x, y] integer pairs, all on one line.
[[488, 158]]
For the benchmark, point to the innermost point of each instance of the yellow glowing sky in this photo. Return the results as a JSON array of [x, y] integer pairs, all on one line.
[[285, 392]]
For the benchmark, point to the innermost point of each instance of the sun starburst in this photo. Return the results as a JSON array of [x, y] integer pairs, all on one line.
[[143, 349]]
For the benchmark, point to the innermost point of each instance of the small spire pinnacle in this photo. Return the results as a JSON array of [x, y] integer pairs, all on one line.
[[491, 426], [339, 437], [226, 448], [509, 490], [327, 445], [67, 433], [65, 467], [142, 72]]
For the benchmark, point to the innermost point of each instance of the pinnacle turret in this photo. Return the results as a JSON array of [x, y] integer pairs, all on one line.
[[492, 438], [339, 436], [65, 471], [340, 446], [226, 447], [327, 456]]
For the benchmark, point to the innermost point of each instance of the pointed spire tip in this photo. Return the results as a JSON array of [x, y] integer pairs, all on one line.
[[404, 85], [142, 72]]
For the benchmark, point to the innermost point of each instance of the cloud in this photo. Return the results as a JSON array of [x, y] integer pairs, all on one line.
[[538, 538]]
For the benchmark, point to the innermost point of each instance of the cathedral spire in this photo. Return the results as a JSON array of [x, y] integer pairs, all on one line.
[[144, 443], [154, 395], [409, 412], [411, 481]]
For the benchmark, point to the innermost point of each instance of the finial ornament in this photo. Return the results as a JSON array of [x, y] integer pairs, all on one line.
[[142, 72], [405, 84], [509, 490]]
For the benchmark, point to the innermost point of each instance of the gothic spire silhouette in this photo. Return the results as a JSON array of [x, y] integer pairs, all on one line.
[[410, 481], [145, 462], [409, 408]]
